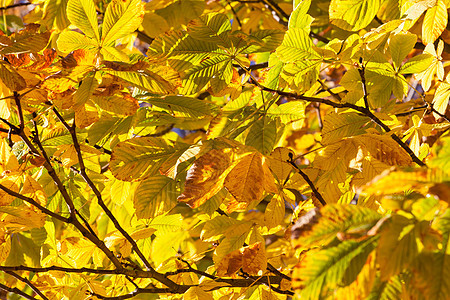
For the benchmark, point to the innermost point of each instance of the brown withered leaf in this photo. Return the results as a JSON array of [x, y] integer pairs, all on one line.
[[205, 177], [246, 180], [251, 259]]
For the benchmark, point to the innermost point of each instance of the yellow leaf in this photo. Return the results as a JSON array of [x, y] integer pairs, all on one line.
[[434, 23], [435, 68], [12, 183], [254, 259], [205, 178], [122, 17], [86, 115], [31, 188], [82, 14], [440, 100], [269, 180], [275, 211], [21, 218], [5, 246], [82, 251], [196, 293], [8, 160], [246, 180], [278, 163]]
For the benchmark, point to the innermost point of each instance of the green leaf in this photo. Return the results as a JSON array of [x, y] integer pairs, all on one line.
[[399, 46], [262, 135], [140, 158], [417, 64], [353, 15], [337, 218], [326, 269], [289, 112], [186, 107], [82, 14], [155, 196], [212, 28], [121, 18], [296, 46], [264, 40]]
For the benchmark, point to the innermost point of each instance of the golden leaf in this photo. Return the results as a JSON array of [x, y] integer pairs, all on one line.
[[434, 23], [246, 180], [252, 259], [205, 177]]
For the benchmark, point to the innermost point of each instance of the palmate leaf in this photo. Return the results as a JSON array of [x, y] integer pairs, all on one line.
[[155, 78], [434, 22], [54, 12], [353, 15], [187, 107], [155, 196], [121, 19], [70, 41], [336, 218], [435, 265], [139, 158], [337, 126], [326, 269], [262, 135], [82, 14]]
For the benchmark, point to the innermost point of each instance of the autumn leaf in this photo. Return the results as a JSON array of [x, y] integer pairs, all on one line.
[[206, 177]]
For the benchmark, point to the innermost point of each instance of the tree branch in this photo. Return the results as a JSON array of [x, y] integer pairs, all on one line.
[[27, 282], [15, 5], [16, 291], [51, 171], [72, 130], [362, 110], [34, 203], [306, 178]]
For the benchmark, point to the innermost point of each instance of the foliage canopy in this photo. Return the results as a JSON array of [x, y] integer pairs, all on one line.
[[225, 149]]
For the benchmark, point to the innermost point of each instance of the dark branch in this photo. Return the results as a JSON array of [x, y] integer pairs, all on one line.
[[361, 109], [27, 282], [16, 291], [306, 178], [34, 203]]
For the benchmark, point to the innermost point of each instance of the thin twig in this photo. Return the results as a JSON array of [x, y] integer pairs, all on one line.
[[34, 203], [15, 5], [361, 109], [27, 282], [306, 178], [362, 74], [16, 291], [62, 189], [72, 130]]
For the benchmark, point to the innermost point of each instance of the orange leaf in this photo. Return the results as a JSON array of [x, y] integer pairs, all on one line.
[[205, 177]]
